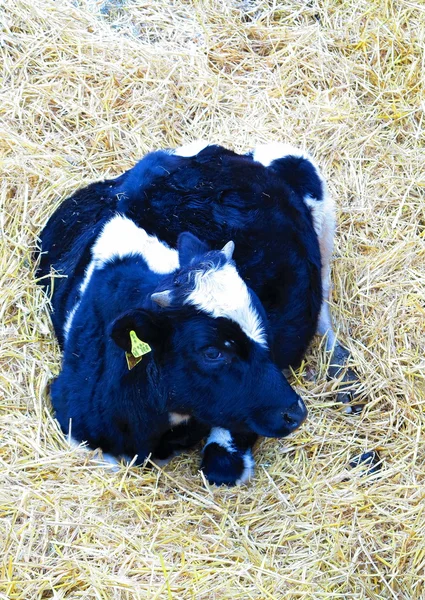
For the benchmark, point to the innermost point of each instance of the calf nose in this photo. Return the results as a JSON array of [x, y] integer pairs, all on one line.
[[295, 414], [277, 421]]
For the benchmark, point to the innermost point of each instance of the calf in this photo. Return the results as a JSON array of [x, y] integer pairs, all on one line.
[[273, 203], [208, 356]]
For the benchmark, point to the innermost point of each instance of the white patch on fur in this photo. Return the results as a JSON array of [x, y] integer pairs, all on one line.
[[324, 222], [191, 149], [69, 318], [87, 276], [177, 418], [267, 153], [121, 237], [74, 444], [104, 458], [222, 437], [112, 461], [248, 471], [222, 292], [325, 326], [162, 462]]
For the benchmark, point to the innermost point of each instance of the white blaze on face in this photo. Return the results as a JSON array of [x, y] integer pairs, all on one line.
[[221, 292]]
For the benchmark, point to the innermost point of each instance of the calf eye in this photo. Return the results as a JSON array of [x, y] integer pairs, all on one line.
[[212, 353]]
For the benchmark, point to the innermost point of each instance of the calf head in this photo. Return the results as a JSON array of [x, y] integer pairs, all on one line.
[[209, 337]]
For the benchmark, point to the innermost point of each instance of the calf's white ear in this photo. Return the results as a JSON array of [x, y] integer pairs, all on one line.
[[228, 250], [162, 298]]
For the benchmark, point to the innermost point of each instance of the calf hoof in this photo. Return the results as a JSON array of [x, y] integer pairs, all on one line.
[[371, 461], [222, 467], [348, 381]]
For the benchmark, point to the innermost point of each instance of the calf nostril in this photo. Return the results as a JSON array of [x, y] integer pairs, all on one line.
[[288, 419]]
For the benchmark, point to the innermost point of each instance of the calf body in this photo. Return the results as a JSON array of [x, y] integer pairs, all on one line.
[[273, 204], [209, 358]]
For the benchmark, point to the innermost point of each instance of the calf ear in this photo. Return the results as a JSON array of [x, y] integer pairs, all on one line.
[[228, 250], [146, 325], [189, 247]]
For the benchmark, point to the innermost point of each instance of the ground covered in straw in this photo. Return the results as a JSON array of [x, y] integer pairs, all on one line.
[[86, 89]]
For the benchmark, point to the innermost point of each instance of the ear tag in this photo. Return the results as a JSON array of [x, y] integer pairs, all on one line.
[[138, 349]]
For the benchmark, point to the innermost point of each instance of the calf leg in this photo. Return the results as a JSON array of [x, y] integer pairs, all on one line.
[[348, 380], [323, 214], [227, 457], [179, 438], [304, 177]]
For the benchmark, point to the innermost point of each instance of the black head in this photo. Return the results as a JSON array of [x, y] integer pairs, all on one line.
[[208, 333]]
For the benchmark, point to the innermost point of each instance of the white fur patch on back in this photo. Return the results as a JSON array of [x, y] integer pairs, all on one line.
[[191, 149], [121, 237], [222, 292], [267, 153]]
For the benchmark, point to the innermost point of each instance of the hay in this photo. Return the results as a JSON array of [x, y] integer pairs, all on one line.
[[89, 87]]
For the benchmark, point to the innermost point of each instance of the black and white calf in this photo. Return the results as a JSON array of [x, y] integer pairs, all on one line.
[[218, 346]]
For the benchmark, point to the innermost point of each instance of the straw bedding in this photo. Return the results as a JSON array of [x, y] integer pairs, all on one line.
[[87, 89]]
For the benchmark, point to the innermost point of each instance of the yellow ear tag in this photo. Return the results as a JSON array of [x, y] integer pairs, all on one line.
[[138, 349]]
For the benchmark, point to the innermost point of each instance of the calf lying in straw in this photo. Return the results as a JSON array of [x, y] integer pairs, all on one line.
[[212, 348]]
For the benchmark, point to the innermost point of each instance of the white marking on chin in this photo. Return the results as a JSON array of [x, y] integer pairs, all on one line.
[[267, 153], [222, 292], [222, 437], [248, 471], [191, 149], [121, 237], [177, 418]]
